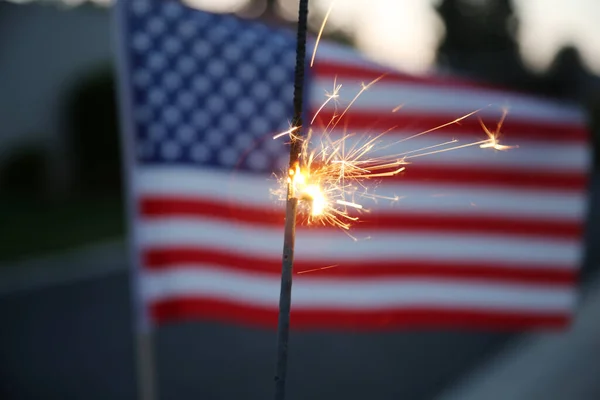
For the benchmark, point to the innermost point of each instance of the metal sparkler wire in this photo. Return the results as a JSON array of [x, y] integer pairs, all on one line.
[[285, 296]]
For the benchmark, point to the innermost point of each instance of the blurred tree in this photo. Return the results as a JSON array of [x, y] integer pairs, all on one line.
[[480, 40], [24, 172], [256, 8], [271, 12], [567, 76], [267, 10], [480, 43], [594, 110], [93, 134]]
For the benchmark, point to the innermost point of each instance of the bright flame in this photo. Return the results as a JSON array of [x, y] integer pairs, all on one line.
[[314, 194], [304, 189]]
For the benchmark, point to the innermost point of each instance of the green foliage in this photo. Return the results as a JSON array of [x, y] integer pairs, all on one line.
[[480, 40], [594, 109], [24, 172], [31, 227], [93, 134]]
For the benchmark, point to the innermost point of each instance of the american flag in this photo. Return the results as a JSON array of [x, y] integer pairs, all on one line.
[[478, 238]]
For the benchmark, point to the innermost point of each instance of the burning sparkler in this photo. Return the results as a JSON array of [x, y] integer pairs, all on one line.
[[329, 178]]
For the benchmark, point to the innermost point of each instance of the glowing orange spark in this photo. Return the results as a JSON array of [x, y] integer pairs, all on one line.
[[362, 90], [481, 142], [349, 204], [457, 120], [428, 147], [330, 96], [286, 133], [318, 269], [494, 136], [312, 60]]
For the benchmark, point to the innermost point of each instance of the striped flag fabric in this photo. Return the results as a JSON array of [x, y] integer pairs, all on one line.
[[477, 238]]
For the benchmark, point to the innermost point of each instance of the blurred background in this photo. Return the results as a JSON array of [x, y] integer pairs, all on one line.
[[61, 196]]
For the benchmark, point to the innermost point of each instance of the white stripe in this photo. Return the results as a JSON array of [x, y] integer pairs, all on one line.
[[335, 246], [473, 202], [333, 52], [249, 189], [313, 294], [560, 157], [416, 97]]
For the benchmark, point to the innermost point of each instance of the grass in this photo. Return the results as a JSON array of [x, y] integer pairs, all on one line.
[[30, 228]]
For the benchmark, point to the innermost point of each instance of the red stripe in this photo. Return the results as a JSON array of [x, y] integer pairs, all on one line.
[[367, 74], [512, 130], [328, 68], [173, 257], [523, 178], [161, 207], [416, 317]]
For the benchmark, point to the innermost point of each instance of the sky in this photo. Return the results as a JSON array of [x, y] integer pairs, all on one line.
[[406, 33], [549, 24]]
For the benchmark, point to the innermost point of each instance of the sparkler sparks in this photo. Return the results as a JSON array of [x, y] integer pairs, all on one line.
[[312, 59], [330, 176], [317, 269], [493, 136]]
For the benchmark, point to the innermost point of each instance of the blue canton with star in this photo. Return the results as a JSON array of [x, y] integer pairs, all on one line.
[[208, 89]]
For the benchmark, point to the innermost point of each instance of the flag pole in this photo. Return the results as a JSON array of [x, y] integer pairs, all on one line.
[[146, 367], [145, 363], [289, 236]]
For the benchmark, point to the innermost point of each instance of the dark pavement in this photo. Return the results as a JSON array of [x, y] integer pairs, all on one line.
[[74, 341]]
